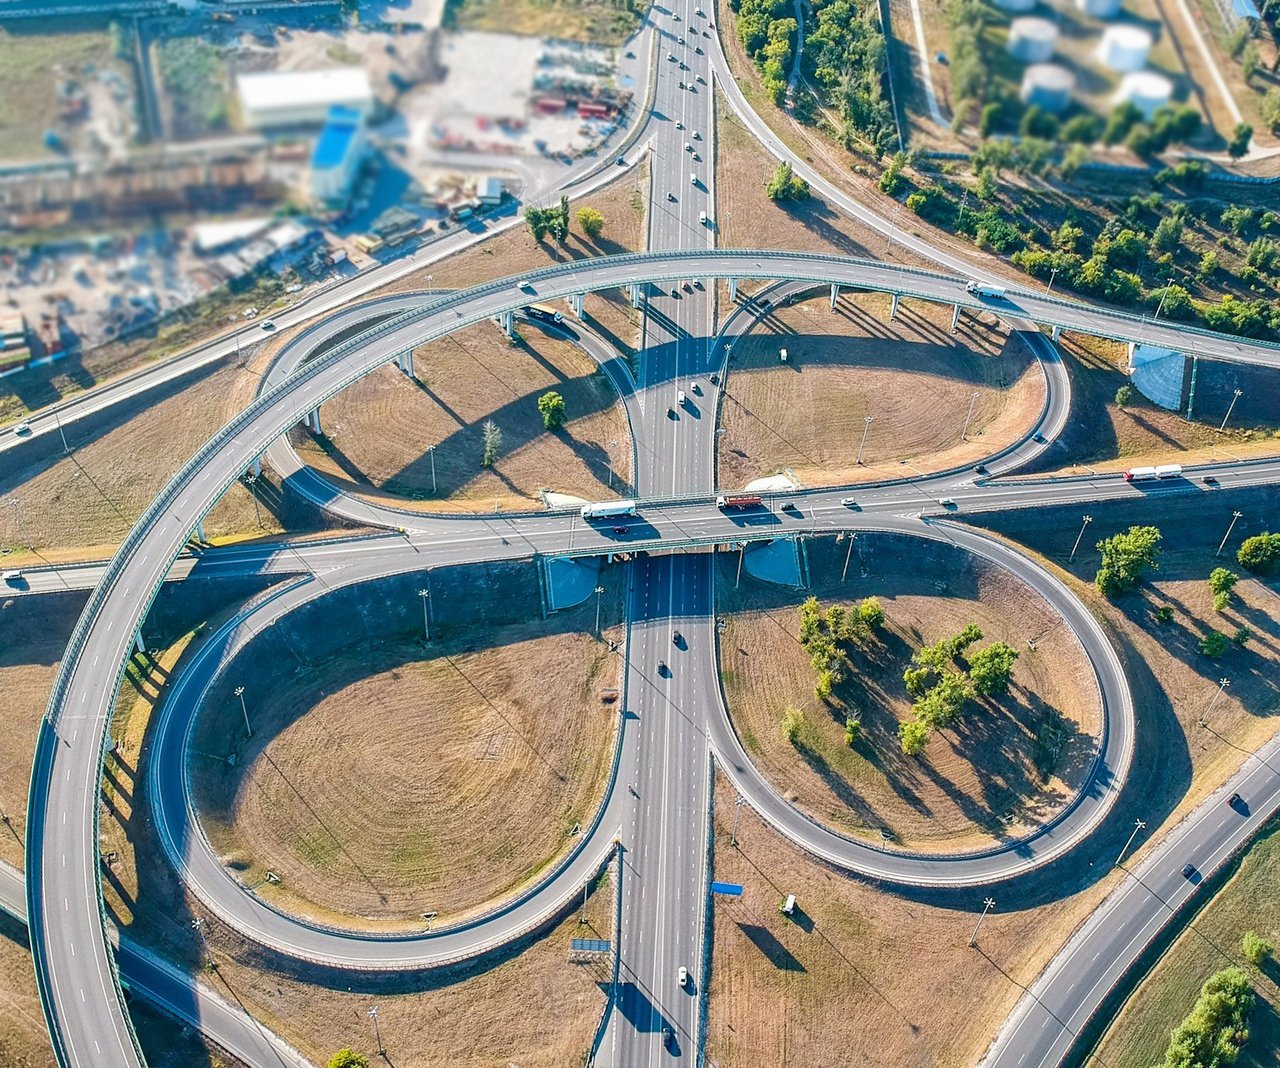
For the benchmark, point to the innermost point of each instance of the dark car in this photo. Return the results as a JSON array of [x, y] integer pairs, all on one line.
[[981, 469], [1209, 480], [1188, 870], [714, 379], [791, 506], [667, 1037], [1038, 438], [622, 530], [677, 639], [1234, 800]]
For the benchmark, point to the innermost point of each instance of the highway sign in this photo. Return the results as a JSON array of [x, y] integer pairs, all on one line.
[[727, 889]]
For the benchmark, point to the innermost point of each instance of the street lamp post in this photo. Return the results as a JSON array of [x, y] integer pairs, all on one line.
[[973, 399], [1230, 526], [1053, 273], [742, 551], [609, 457], [377, 1031], [239, 692], [431, 451], [1083, 526], [987, 905], [738, 802], [1223, 683], [1235, 397], [252, 482], [599, 592], [847, 553], [426, 621], [1137, 826], [866, 425]]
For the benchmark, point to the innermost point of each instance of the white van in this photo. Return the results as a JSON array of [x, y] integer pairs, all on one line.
[[702, 217], [680, 396], [788, 906]]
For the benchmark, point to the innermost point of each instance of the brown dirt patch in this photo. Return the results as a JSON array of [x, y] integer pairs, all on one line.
[[1009, 765], [379, 430], [910, 375]]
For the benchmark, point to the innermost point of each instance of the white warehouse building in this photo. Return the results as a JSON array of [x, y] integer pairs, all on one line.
[[297, 98]]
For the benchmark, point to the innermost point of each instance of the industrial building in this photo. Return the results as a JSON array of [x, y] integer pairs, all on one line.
[[278, 99], [335, 163]]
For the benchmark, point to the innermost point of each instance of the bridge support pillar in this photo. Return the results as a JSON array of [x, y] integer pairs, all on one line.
[[315, 421], [257, 467], [733, 289], [509, 323], [139, 645], [405, 362], [1133, 347], [893, 307], [577, 304], [200, 531], [1191, 394], [835, 294], [1057, 333], [955, 317]]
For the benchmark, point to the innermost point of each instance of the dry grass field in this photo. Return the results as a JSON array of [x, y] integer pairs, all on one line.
[[1248, 902], [378, 432], [995, 774], [399, 785], [910, 375]]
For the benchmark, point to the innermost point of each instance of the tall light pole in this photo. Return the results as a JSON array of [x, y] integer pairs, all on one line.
[[599, 592], [61, 433], [239, 692], [1230, 526], [609, 456], [987, 905], [1235, 397], [1087, 520], [251, 480], [426, 622], [738, 802], [1137, 826], [431, 451], [847, 553], [973, 399], [742, 551], [1053, 273], [377, 1031], [1223, 683], [866, 425]]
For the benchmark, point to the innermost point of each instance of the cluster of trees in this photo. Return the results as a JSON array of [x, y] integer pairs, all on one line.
[[943, 681], [1126, 558], [553, 410], [847, 49], [767, 31], [970, 70], [826, 633], [785, 184], [1260, 554], [553, 221], [1217, 1028]]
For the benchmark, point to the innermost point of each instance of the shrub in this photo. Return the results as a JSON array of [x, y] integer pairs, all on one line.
[[1260, 554], [1242, 635], [348, 1058], [492, 438], [1222, 581], [913, 736], [785, 185], [1164, 614], [591, 221], [852, 729], [870, 613], [1214, 644], [1256, 949], [792, 723], [1124, 395], [1238, 144], [1220, 601], [551, 407]]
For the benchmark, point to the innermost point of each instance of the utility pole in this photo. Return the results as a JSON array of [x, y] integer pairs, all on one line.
[[987, 905], [866, 425], [1230, 526], [973, 399], [1137, 826], [742, 551], [1083, 526], [239, 692], [431, 450], [377, 1031], [61, 433], [847, 553], [426, 622], [251, 481], [1238, 394], [599, 592], [609, 456], [1052, 275], [738, 802], [1223, 683]]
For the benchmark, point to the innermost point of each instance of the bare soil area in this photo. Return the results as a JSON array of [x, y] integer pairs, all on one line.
[[1105, 437], [1009, 765], [380, 432], [911, 376]]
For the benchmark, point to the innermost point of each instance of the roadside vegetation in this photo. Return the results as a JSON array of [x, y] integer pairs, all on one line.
[[597, 21]]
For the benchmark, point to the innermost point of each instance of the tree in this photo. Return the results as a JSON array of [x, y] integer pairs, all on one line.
[[852, 729], [792, 722], [348, 1058], [1238, 145], [992, 668], [870, 614], [1270, 109], [1256, 949], [1126, 558], [891, 180], [913, 736], [1168, 233], [785, 185], [1214, 644], [1216, 1029], [1124, 395], [591, 221], [1121, 120], [1222, 581], [1260, 554], [551, 407], [492, 443]]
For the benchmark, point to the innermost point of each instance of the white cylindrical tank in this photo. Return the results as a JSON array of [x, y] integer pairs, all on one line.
[[1099, 9], [1032, 39], [1015, 5], [1124, 48], [1048, 86], [1146, 90]]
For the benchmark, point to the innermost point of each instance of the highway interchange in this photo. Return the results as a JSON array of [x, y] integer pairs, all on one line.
[[658, 806]]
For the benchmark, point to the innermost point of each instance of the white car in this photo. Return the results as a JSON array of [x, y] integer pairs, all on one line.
[[523, 284], [680, 126], [947, 502], [682, 975], [22, 429], [848, 502], [11, 576], [688, 146], [671, 57], [697, 136], [680, 396], [693, 179], [267, 324]]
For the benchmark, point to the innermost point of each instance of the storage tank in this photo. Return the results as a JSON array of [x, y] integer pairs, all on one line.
[[1146, 90], [1099, 9], [1124, 48], [1048, 86], [1015, 6], [1032, 39]]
